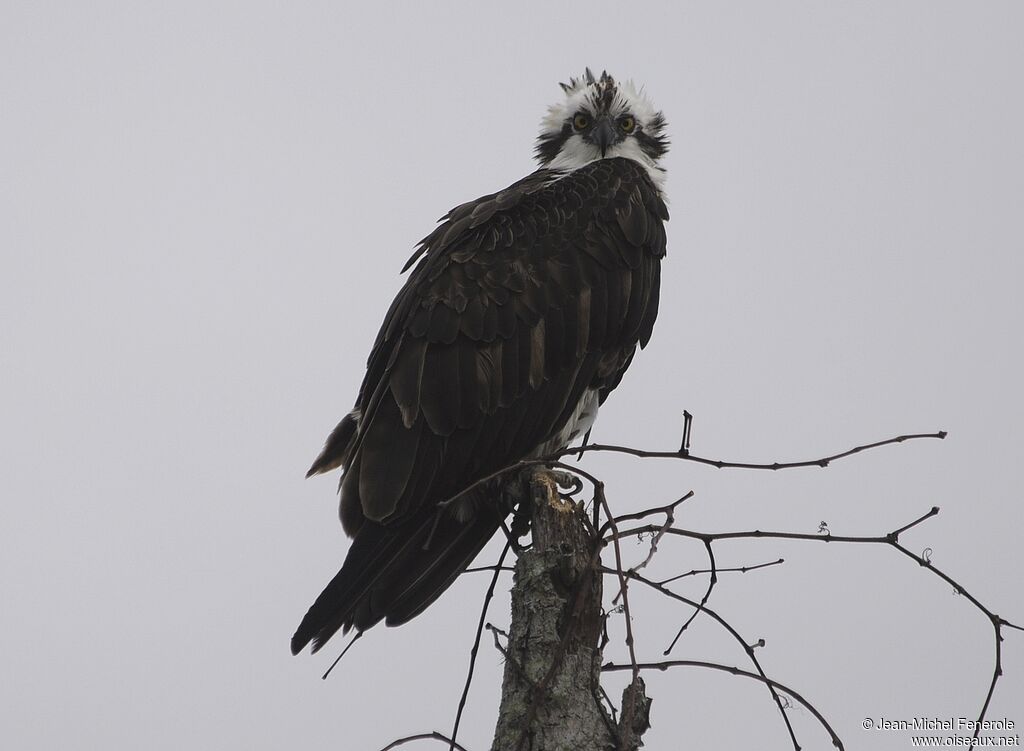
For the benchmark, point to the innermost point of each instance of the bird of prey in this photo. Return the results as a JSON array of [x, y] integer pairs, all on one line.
[[523, 311]]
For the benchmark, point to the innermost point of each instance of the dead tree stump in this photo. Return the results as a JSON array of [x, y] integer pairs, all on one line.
[[551, 696]]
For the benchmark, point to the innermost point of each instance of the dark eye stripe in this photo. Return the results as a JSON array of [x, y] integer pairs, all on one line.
[[650, 137]]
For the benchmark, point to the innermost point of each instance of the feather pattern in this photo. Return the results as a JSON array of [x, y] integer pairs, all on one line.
[[521, 304]]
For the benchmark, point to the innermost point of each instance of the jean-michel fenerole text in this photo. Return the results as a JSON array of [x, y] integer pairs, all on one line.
[[944, 723]]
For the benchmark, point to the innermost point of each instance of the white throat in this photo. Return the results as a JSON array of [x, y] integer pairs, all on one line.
[[578, 153]]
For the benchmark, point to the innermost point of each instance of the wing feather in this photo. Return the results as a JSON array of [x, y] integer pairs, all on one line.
[[406, 377], [537, 354], [440, 391], [598, 310], [519, 303], [387, 456]]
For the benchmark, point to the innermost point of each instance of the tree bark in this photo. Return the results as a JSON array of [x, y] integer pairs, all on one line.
[[551, 694]]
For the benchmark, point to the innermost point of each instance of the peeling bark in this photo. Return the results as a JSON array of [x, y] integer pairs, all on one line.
[[551, 688]]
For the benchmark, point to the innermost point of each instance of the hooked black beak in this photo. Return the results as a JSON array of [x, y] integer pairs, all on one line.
[[604, 135]]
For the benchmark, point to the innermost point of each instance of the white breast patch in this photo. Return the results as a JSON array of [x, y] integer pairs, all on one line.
[[581, 420]]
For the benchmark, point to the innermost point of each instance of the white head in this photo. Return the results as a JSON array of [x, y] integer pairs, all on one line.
[[601, 119]]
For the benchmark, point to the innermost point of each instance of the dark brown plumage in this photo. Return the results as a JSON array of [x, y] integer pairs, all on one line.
[[521, 303]]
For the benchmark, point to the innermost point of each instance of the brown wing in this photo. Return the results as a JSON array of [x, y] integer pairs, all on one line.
[[522, 302]]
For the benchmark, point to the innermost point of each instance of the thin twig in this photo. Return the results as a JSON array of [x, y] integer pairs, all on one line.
[[481, 569], [343, 653], [599, 497], [735, 569], [735, 635], [611, 705], [434, 736], [891, 540], [507, 655], [610, 533], [609, 667], [703, 601], [760, 534], [476, 643], [682, 454], [691, 572], [666, 509], [723, 464], [995, 620], [670, 520]]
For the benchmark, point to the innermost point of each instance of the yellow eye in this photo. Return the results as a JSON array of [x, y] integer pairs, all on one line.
[[628, 124], [580, 122]]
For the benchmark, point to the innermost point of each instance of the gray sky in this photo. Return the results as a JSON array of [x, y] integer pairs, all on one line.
[[203, 211]]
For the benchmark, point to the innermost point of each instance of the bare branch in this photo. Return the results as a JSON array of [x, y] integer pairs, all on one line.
[[668, 510], [481, 569], [890, 540], [760, 534], [509, 659], [732, 632], [670, 519], [609, 667], [684, 455], [476, 643], [344, 652], [707, 594], [599, 497], [610, 533], [735, 569], [434, 736]]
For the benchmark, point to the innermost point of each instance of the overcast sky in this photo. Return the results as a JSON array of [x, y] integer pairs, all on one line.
[[203, 212]]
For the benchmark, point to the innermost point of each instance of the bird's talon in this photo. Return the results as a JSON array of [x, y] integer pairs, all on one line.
[[568, 482]]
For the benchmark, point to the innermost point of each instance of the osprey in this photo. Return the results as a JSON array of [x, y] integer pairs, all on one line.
[[523, 312]]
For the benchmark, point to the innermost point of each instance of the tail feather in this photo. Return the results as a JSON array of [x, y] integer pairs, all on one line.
[[442, 574], [394, 572], [335, 451], [374, 550]]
